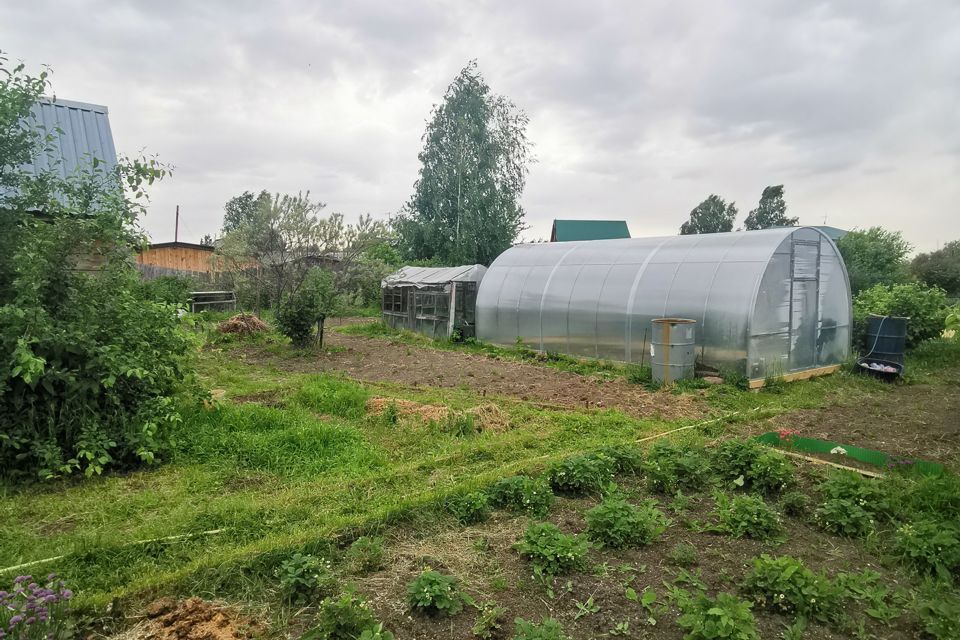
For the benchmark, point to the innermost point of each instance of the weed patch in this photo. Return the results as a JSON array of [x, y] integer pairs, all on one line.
[[548, 629], [333, 396]]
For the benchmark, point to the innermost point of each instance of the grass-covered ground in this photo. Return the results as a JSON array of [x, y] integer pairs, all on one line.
[[282, 461]]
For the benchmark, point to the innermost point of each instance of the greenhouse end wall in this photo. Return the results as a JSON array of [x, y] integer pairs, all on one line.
[[767, 303]]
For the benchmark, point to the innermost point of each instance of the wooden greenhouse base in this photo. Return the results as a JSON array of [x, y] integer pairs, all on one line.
[[799, 375]]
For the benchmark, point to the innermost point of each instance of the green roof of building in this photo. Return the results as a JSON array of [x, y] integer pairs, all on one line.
[[834, 233], [571, 230]]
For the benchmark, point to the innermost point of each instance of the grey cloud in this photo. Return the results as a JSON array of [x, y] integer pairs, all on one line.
[[642, 109]]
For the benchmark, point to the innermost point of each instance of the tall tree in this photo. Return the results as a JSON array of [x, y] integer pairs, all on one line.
[[940, 268], [875, 256], [771, 212], [276, 246], [243, 208], [713, 215], [466, 203]]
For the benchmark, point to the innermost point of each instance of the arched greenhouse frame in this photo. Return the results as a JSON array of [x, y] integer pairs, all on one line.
[[771, 303]]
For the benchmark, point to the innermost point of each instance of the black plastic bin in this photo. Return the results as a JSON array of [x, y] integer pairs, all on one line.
[[886, 339]]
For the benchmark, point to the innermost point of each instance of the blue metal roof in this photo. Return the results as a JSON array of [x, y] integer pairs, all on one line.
[[84, 134]]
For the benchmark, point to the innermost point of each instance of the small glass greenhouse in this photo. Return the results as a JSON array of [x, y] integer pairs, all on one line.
[[767, 303], [435, 301]]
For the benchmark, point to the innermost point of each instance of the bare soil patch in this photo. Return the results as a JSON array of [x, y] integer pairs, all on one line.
[[192, 619], [377, 360], [909, 421]]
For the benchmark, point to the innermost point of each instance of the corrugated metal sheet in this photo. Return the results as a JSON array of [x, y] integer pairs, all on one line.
[[84, 133], [425, 276]]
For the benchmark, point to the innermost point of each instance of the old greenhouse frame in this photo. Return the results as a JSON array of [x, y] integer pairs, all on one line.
[[439, 302], [771, 303]]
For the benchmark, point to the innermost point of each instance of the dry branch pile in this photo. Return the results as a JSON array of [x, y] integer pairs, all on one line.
[[243, 324]]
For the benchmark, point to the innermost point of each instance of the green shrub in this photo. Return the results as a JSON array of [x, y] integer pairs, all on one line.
[[490, 621], [748, 516], [301, 310], [616, 523], [522, 495], [333, 396], [725, 616], [366, 554], [578, 475], [551, 551], [671, 467], [470, 508], [928, 546], [925, 306], [548, 629], [434, 593], [168, 289], [296, 318], [683, 554], [753, 466], [90, 370], [794, 503], [346, 618], [304, 577], [843, 517], [786, 585]]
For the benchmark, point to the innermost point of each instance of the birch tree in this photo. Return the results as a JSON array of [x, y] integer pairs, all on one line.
[[466, 203]]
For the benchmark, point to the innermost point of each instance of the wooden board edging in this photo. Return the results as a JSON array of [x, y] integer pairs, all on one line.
[[798, 375]]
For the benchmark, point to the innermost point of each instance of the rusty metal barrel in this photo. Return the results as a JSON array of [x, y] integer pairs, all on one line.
[[672, 349]]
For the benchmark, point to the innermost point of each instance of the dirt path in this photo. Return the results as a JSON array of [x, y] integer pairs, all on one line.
[[915, 421], [378, 360]]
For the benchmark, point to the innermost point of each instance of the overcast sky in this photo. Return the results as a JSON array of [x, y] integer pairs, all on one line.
[[638, 110]]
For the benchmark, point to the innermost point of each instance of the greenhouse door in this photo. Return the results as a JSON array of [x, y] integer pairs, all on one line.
[[804, 300]]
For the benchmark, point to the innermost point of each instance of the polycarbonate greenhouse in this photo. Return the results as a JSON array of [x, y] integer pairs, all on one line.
[[767, 303]]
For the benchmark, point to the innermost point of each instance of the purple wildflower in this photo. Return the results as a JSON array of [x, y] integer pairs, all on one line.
[[20, 579], [15, 620], [31, 620], [51, 577]]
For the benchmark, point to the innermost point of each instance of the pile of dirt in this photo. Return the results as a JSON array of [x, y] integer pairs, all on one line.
[[192, 619], [486, 417], [243, 324]]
